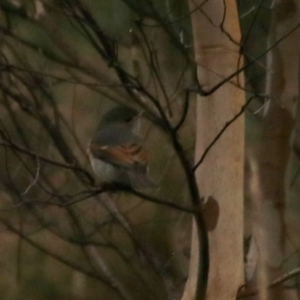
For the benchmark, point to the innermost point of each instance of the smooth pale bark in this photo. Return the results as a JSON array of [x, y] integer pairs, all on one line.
[[220, 176]]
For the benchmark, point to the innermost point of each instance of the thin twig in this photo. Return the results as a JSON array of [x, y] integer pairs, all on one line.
[[199, 89], [115, 188], [248, 293], [217, 137]]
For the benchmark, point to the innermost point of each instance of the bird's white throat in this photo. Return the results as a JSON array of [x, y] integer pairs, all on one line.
[[106, 172]]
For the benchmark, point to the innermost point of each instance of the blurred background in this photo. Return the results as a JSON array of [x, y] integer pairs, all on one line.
[[63, 64]]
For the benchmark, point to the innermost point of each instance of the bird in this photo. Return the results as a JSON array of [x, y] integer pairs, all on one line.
[[116, 153]]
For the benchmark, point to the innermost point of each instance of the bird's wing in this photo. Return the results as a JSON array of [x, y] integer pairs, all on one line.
[[131, 155]]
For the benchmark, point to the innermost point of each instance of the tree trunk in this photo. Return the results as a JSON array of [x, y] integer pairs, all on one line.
[[220, 176]]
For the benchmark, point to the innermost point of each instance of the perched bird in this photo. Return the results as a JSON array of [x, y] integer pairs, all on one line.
[[116, 153]]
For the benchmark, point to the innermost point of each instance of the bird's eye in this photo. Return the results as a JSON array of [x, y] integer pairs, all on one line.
[[128, 119]]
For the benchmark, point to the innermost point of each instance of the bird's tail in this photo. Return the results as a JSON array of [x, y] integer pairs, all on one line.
[[141, 181]]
